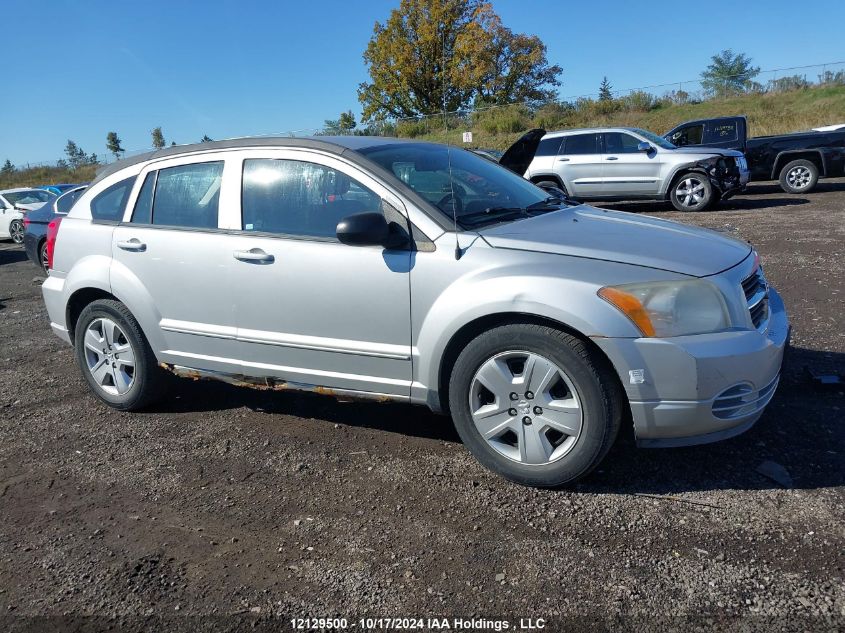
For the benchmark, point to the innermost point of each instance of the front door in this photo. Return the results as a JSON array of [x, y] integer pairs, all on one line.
[[626, 171], [310, 310]]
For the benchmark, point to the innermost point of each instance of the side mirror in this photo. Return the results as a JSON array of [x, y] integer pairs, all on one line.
[[642, 146], [367, 229]]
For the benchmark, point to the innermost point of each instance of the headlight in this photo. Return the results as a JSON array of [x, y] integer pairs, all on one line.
[[671, 308]]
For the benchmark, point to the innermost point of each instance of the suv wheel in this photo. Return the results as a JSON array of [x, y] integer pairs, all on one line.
[[534, 405], [799, 176], [115, 357], [692, 192], [16, 231]]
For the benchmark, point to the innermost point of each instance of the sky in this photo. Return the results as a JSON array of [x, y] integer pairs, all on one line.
[[77, 69]]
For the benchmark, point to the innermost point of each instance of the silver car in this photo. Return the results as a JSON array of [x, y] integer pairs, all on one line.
[[628, 164], [393, 270]]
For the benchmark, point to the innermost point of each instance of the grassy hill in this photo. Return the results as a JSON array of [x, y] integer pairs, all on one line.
[[36, 176], [768, 113]]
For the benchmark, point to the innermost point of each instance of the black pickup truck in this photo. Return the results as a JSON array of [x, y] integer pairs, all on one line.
[[797, 160]]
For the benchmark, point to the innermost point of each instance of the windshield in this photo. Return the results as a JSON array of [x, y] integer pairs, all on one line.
[[31, 196], [476, 190], [652, 137], [65, 202]]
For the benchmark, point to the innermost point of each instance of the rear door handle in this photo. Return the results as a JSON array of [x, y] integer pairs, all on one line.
[[134, 245], [254, 255], [612, 158], [563, 159]]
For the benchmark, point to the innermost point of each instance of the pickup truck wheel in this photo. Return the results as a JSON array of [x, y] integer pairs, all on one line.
[[691, 192], [116, 358], [799, 176], [534, 404]]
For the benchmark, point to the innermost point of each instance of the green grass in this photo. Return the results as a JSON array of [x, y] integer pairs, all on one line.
[[772, 113], [37, 176]]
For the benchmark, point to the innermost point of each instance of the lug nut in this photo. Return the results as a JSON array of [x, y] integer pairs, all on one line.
[[529, 394], [512, 412], [538, 410], [526, 421], [514, 396]]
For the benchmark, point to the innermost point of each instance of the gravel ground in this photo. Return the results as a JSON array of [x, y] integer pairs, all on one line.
[[229, 509]]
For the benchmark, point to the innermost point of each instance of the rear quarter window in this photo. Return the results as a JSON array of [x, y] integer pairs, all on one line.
[[110, 203], [722, 132]]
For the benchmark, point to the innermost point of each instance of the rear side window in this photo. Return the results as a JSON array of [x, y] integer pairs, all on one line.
[[580, 144], [690, 135], [143, 213], [298, 198], [548, 146], [186, 196], [722, 132], [110, 203]]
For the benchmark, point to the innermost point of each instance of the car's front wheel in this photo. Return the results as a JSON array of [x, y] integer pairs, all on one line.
[[16, 231], [692, 192], [115, 357], [534, 404]]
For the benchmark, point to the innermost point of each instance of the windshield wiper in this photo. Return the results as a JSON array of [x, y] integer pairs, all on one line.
[[549, 204], [494, 214]]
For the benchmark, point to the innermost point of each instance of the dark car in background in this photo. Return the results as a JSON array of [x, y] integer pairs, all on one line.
[[36, 223], [797, 160], [60, 188]]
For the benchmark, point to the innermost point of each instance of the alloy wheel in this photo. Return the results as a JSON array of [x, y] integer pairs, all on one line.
[[690, 191], [16, 231], [45, 259], [526, 407], [109, 356], [798, 177]]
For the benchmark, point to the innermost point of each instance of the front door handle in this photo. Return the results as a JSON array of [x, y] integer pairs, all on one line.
[[612, 158], [254, 255], [134, 245], [563, 159]]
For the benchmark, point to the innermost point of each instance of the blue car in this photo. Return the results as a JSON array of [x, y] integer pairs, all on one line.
[[58, 189], [35, 224]]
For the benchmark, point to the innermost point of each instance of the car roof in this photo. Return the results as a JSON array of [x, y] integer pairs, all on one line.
[[334, 144], [582, 130]]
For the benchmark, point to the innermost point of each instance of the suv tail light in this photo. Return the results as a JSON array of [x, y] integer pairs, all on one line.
[[52, 232]]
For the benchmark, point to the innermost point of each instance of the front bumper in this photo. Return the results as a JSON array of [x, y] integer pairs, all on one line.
[[702, 388], [730, 185]]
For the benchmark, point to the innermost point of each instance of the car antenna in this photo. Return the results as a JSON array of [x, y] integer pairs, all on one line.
[[458, 251]]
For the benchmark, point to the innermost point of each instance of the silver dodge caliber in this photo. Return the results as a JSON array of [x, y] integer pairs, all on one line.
[[390, 269]]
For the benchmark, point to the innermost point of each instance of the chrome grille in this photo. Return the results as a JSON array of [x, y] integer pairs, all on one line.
[[757, 296], [742, 400]]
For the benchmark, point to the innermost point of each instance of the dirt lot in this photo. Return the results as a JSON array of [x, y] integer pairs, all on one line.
[[233, 509]]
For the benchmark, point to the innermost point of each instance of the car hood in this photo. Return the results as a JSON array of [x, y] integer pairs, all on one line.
[[703, 149], [627, 238]]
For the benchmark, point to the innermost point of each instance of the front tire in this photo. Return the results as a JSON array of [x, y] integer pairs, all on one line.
[[116, 358], [799, 176], [16, 231], [692, 192], [534, 404]]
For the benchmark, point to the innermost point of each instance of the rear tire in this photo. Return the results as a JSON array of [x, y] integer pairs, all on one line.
[[42, 257], [16, 231], [545, 439], [116, 358], [692, 192], [799, 176]]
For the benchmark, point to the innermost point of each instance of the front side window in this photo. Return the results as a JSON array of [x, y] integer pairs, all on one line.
[[580, 144], [690, 135], [298, 198], [620, 143], [110, 203], [186, 196]]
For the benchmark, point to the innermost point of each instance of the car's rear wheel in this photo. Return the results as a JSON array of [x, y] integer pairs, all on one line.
[[692, 192], [799, 176], [16, 231], [534, 404], [115, 357], [43, 257]]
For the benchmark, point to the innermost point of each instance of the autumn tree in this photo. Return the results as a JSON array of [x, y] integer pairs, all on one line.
[[728, 73], [605, 90], [113, 144], [158, 138], [7, 168], [436, 54], [344, 124]]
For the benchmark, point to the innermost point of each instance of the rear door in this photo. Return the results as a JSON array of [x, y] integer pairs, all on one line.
[[172, 255], [579, 165], [626, 170]]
